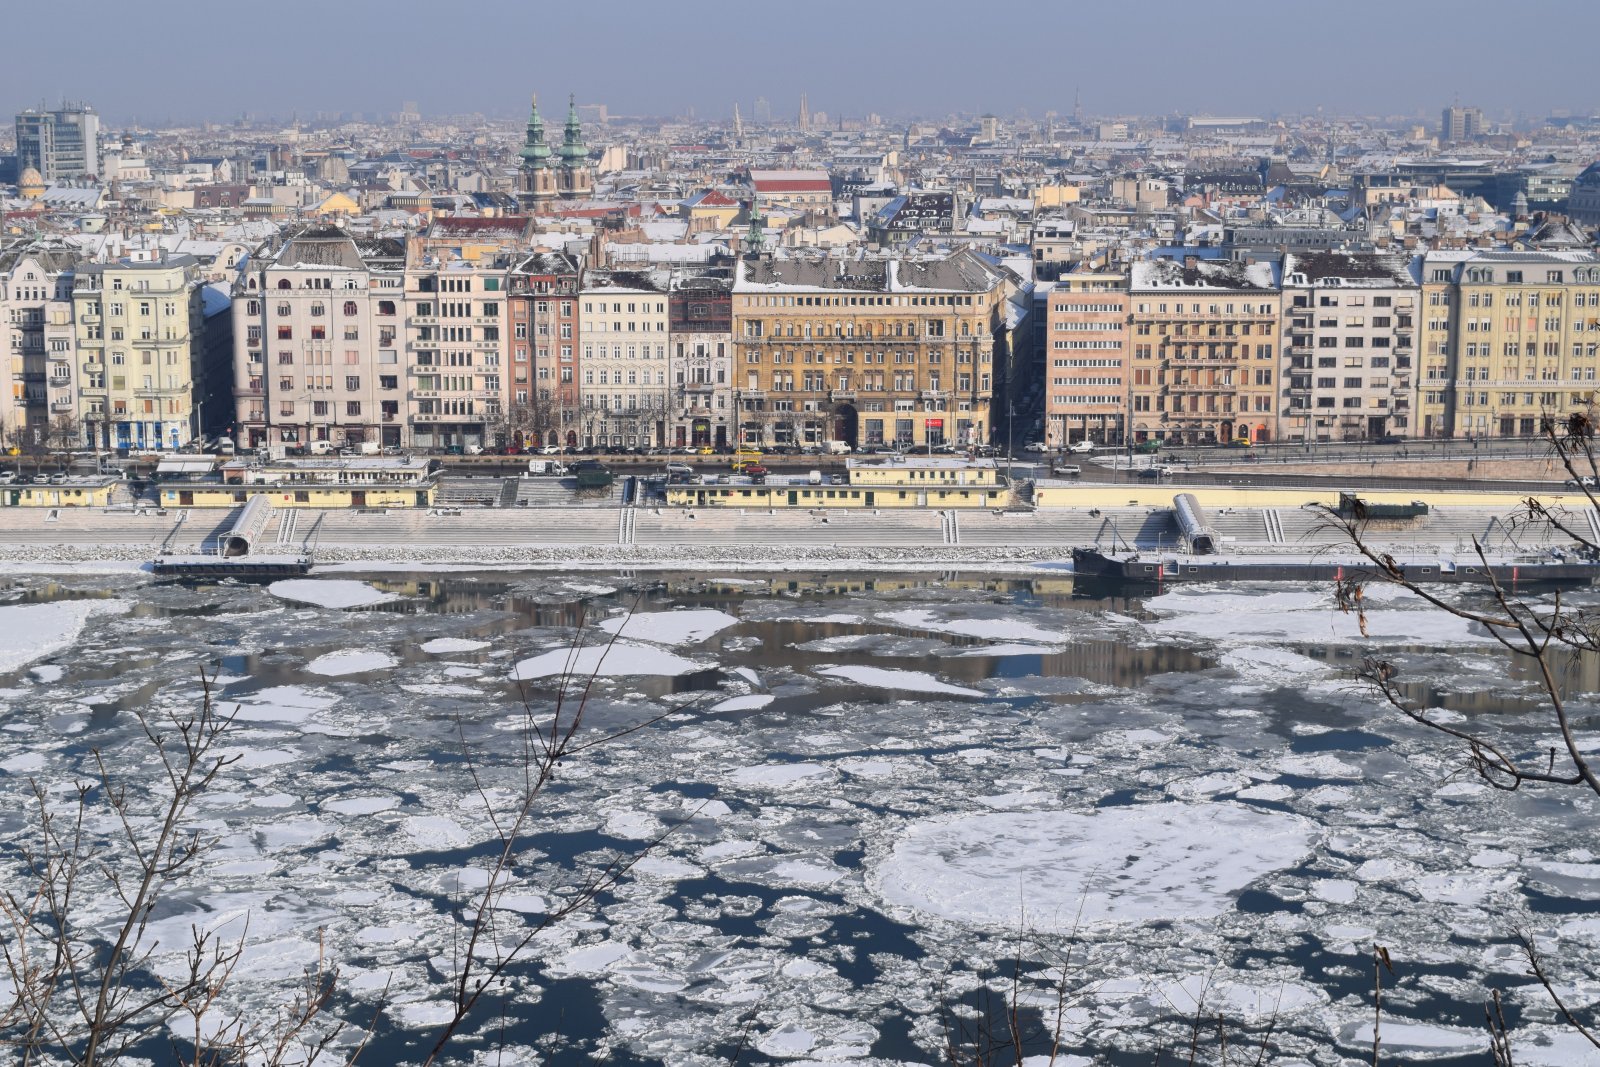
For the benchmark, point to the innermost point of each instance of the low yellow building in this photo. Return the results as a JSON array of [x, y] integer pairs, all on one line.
[[897, 482], [358, 482], [87, 492]]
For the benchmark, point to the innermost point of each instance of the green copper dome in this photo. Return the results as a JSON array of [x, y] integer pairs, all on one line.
[[535, 153]]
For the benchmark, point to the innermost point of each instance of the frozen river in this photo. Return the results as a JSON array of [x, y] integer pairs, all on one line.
[[884, 796]]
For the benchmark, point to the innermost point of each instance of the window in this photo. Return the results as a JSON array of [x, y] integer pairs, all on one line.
[[352, 407]]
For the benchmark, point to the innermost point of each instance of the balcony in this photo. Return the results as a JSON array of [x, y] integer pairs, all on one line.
[[423, 394], [934, 394], [62, 406], [252, 342], [88, 319], [60, 382], [750, 394], [837, 395], [422, 320]]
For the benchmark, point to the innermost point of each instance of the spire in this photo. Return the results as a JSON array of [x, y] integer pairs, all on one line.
[[758, 235], [535, 153], [574, 153]]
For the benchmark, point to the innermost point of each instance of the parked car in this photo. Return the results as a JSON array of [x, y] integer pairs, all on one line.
[[1586, 480], [1149, 447], [1391, 439], [1239, 442], [1081, 446], [1154, 473]]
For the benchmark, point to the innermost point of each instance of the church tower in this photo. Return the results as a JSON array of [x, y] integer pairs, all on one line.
[[577, 180], [538, 180]]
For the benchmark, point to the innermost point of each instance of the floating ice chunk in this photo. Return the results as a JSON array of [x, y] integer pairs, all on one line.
[[281, 703], [670, 627], [591, 959], [806, 872], [1235, 999], [441, 646], [49, 672], [1493, 857], [744, 703], [999, 629], [620, 659], [1306, 616], [422, 1014], [777, 775], [1423, 1038], [1271, 791], [1002, 650], [330, 592], [435, 831], [1319, 766], [439, 689], [23, 763], [904, 681], [351, 661], [1270, 664], [666, 869], [787, 1041], [1206, 785], [33, 631], [1334, 890], [1552, 1047], [1125, 864], [361, 805]]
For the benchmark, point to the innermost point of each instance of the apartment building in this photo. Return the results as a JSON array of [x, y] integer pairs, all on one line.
[[544, 401], [61, 144], [318, 342], [700, 359], [455, 337], [1349, 346], [1086, 353], [38, 403], [624, 362], [1205, 350], [137, 328], [1436, 399], [1526, 340], [870, 352]]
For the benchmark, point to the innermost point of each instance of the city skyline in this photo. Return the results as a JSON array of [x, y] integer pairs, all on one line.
[[1260, 59]]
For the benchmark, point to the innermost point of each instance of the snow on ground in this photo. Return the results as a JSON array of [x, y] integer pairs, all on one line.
[[905, 681], [612, 660], [351, 661], [330, 592], [684, 627], [1050, 870], [34, 631]]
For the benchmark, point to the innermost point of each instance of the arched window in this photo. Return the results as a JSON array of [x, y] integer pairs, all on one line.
[[283, 283]]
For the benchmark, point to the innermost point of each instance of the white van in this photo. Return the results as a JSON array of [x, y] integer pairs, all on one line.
[[319, 448], [838, 448]]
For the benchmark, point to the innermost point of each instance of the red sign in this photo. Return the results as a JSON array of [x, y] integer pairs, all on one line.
[[935, 424]]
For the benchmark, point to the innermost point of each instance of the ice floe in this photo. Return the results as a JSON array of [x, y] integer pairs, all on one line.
[[330, 592], [612, 659], [905, 681], [351, 661], [1049, 870], [685, 627], [33, 631]]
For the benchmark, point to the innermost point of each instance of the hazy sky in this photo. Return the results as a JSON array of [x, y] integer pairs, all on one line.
[[215, 60]]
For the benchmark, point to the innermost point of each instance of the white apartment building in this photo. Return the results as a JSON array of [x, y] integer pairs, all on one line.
[[456, 342], [317, 342], [138, 323], [1348, 365], [700, 360], [39, 401], [625, 389]]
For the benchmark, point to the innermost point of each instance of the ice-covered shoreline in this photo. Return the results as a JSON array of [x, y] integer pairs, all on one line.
[[39, 558]]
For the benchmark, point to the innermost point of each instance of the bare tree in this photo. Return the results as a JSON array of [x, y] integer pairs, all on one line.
[[1541, 633], [90, 990]]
